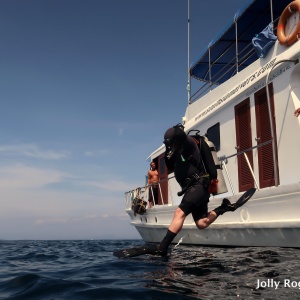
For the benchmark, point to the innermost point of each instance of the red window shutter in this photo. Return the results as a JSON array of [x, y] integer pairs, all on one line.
[[244, 141], [263, 128]]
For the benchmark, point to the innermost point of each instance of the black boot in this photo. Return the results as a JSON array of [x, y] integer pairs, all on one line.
[[162, 248], [224, 207]]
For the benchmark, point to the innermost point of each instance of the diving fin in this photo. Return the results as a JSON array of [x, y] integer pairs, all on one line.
[[137, 251], [244, 198], [227, 206]]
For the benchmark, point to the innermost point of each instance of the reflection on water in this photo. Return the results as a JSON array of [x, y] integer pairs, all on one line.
[[88, 270], [209, 272]]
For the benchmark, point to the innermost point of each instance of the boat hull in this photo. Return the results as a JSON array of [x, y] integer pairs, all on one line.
[[269, 218]]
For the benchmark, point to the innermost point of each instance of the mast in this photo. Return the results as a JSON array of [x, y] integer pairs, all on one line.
[[189, 76]]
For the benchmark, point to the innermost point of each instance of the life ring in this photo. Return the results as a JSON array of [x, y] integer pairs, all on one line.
[[295, 35]]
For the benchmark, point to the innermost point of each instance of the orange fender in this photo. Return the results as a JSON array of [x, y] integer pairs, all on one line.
[[295, 35]]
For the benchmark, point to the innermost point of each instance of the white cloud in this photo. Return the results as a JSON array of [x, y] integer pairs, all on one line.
[[87, 217], [48, 221], [22, 176], [49, 213], [47, 205], [91, 216], [110, 185], [96, 153], [123, 216], [31, 150]]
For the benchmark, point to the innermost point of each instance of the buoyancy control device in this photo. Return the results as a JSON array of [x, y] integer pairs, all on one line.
[[210, 161]]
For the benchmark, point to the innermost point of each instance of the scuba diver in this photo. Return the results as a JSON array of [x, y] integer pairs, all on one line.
[[184, 158], [196, 173]]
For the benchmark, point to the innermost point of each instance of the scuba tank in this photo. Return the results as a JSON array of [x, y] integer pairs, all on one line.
[[210, 162], [221, 187]]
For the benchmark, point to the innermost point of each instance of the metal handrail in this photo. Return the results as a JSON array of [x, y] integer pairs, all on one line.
[[213, 82], [246, 150], [141, 191], [246, 53], [150, 186], [223, 160]]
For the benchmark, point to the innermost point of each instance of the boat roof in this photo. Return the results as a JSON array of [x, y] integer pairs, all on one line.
[[217, 63]]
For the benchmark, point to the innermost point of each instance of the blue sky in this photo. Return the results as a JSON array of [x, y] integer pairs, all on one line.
[[88, 87]]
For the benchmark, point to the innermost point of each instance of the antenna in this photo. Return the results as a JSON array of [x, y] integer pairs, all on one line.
[[189, 76]]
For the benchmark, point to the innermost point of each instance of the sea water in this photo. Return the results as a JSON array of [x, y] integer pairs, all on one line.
[[88, 270]]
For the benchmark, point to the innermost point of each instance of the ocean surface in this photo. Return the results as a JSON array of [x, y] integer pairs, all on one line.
[[88, 270]]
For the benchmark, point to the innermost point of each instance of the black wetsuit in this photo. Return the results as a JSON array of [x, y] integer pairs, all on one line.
[[196, 197]]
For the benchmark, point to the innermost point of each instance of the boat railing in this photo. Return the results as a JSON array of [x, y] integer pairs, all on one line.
[[143, 193], [224, 160], [231, 67], [237, 63]]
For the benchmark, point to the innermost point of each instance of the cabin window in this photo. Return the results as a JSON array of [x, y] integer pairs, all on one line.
[[213, 135]]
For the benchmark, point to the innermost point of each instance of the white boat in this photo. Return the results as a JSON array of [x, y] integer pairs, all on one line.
[[233, 108]]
